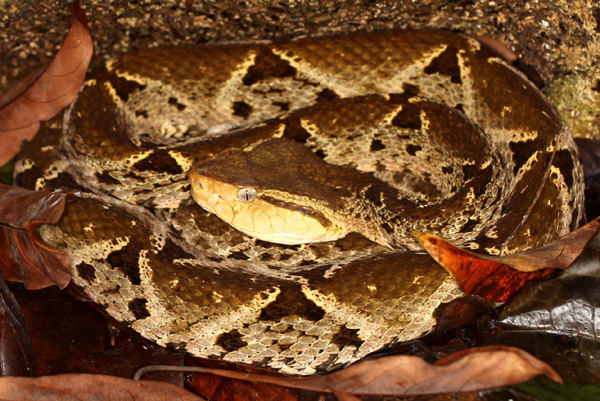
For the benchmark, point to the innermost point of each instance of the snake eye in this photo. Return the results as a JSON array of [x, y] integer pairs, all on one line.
[[247, 194]]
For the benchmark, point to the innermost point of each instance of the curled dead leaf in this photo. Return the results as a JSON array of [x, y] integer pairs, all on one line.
[[475, 369], [498, 277], [24, 255], [45, 92]]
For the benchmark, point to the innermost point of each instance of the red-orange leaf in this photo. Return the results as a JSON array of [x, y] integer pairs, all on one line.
[[24, 256], [498, 277], [477, 274], [45, 93]]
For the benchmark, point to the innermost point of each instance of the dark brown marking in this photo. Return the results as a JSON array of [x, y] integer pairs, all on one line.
[[241, 109], [522, 151], [326, 95], [564, 161], [320, 153], [331, 364], [410, 90], [141, 113], [470, 170], [446, 64], [412, 149], [347, 337], [159, 161], [176, 346], [388, 228], [265, 244], [138, 308], [292, 302], [447, 169], [283, 106], [469, 226], [86, 271], [173, 102], [124, 87], [409, 117], [373, 195], [126, 260], [377, 145], [239, 255], [106, 178], [284, 347], [231, 341], [171, 251], [268, 66], [295, 131]]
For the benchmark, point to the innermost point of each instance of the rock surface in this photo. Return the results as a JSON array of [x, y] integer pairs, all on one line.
[[560, 39]]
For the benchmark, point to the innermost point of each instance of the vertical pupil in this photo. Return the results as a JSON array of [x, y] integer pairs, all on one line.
[[246, 194]]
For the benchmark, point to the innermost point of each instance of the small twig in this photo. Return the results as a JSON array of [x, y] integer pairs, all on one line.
[[2, 224]]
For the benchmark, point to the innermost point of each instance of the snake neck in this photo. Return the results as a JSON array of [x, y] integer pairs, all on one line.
[[388, 216], [383, 215]]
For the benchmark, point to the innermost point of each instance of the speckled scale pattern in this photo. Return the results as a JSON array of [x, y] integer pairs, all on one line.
[[184, 279]]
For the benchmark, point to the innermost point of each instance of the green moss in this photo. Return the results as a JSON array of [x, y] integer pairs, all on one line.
[[6, 172]]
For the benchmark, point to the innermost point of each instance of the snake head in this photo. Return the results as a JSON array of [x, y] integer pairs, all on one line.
[[263, 192]]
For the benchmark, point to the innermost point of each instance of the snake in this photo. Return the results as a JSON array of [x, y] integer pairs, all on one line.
[[255, 202]]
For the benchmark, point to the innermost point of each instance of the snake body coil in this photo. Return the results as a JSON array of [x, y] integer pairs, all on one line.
[[415, 130]]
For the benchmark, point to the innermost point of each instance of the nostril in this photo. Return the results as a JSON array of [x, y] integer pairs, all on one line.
[[199, 184]]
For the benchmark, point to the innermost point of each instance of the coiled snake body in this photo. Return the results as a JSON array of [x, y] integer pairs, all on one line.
[[409, 130]]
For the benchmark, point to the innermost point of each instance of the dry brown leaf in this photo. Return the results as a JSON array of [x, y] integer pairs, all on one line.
[[45, 93], [559, 254], [24, 256], [71, 387], [476, 369], [342, 395]]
